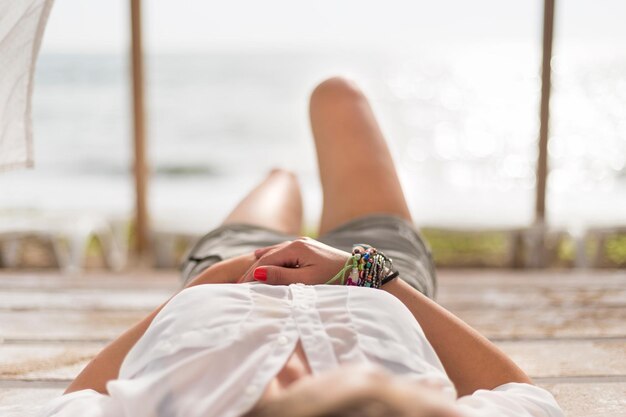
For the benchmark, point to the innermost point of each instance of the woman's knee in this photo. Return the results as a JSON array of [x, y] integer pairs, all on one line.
[[282, 172], [283, 175], [336, 89]]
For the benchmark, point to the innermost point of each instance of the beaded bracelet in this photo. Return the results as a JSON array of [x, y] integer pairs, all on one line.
[[368, 268]]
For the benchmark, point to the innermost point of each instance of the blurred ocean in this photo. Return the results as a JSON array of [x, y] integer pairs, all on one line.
[[462, 125]]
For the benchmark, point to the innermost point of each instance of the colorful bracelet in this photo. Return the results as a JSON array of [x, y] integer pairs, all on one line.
[[368, 268]]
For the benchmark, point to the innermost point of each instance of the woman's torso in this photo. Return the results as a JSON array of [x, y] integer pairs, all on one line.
[[217, 349]]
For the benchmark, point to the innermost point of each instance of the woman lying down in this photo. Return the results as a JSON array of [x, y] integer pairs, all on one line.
[[272, 325]]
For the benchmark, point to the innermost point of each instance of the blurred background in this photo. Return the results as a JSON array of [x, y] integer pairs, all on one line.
[[456, 86]]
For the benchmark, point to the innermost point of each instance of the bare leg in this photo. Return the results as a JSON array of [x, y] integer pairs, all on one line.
[[275, 203], [356, 170]]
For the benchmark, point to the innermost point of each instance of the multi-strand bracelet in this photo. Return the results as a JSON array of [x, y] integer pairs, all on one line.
[[368, 268]]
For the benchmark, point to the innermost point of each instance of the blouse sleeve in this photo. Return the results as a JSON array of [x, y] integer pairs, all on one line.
[[510, 400], [84, 403]]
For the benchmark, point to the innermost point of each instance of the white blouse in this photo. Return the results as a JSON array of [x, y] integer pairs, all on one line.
[[213, 349]]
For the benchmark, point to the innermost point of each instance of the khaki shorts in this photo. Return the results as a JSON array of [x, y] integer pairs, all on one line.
[[395, 237]]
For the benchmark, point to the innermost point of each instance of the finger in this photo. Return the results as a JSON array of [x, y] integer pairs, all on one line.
[[277, 275], [262, 251], [247, 276], [288, 256]]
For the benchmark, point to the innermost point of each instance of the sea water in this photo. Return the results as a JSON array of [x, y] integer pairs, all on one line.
[[462, 126]]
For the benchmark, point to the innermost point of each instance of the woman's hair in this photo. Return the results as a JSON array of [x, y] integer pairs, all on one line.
[[360, 405], [365, 407]]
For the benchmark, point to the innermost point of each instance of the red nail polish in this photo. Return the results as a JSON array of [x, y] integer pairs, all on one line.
[[260, 274]]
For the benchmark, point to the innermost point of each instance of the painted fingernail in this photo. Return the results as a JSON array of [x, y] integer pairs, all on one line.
[[260, 274]]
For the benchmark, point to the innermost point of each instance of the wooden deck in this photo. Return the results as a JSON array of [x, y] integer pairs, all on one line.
[[566, 329]]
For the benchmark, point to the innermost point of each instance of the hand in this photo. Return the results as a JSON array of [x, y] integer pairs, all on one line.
[[303, 260]]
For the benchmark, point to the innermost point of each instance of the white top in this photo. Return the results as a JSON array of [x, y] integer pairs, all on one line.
[[213, 349]]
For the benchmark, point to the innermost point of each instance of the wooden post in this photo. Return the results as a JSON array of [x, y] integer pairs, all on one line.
[[537, 234], [542, 160], [142, 227]]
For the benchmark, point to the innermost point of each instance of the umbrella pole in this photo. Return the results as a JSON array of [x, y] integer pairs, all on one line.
[[142, 228], [538, 232], [542, 161]]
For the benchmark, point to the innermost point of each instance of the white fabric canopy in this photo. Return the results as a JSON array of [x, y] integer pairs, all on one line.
[[22, 24]]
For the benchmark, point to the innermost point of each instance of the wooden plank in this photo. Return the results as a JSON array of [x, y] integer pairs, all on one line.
[[458, 278], [579, 322], [577, 400], [45, 361], [54, 280], [536, 297], [590, 399], [66, 325], [25, 402], [83, 299], [569, 358]]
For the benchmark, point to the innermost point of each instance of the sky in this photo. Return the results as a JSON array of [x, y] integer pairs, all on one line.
[[174, 25]]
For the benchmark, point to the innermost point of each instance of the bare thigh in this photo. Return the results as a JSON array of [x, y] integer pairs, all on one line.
[[356, 169], [275, 203]]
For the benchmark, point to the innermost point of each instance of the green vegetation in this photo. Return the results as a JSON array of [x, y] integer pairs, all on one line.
[[566, 251], [616, 250], [452, 248], [502, 249]]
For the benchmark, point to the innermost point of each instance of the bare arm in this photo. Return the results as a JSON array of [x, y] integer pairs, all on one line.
[[106, 365], [471, 361]]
